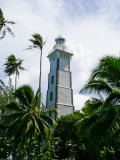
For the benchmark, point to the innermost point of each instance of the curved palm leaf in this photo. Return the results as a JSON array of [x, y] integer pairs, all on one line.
[[92, 105], [113, 98], [12, 106], [1, 14], [108, 69], [96, 86], [25, 95]]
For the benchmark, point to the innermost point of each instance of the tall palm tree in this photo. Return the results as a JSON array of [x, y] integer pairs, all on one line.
[[38, 43], [4, 26], [25, 119], [12, 66], [105, 81]]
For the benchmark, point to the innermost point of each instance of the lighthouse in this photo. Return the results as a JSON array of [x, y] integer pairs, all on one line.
[[60, 92]]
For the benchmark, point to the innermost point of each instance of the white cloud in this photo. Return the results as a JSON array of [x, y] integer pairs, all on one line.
[[79, 101], [90, 36]]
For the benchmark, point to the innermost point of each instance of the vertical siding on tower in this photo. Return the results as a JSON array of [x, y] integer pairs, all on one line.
[[57, 81]]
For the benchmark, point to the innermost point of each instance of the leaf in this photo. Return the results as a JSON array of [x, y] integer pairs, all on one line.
[[8, 119], [25, 94], [1, 14], [49, 120], [96, 86], [13, 106], [10, 31], [3, 33], [10, 22]]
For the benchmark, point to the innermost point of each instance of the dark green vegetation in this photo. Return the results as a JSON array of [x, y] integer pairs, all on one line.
[[26, 132], [25, 129]]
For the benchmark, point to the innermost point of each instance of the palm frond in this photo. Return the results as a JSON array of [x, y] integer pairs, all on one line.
[[41, 126], [115, 125], [12, 127], [49, 120], [96, 87], [32, 47], [93, 105], [10, 31], [113, 98], [29, 129], [22, 126], [3, 33], [1, 14], [13, 107], [10, 22], [102, 125], [19, 126], [49, 110], [8, 119], [2, 83], [25, 95], [85, 124], [37, 130], [107, 66], [21, 68]]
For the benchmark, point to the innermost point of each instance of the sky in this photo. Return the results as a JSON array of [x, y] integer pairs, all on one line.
[[91, 29]]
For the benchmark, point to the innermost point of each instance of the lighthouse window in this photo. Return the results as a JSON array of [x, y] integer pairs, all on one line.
[[51, 96], [52, 79], [61, 41]]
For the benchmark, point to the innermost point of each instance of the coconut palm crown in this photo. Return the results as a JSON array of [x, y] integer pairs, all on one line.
[[12, 66], [25, 118], [4, 26]]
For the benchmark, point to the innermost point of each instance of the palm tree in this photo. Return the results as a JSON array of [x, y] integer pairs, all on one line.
[[37, 43], [25, 119], [105, 120], [12, 66], [4, 27]]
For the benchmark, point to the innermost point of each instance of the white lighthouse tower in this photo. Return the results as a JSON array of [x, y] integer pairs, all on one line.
[[60, 92]]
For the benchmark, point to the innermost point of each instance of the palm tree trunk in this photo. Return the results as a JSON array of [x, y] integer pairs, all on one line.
[[15, 80], [40, 74]]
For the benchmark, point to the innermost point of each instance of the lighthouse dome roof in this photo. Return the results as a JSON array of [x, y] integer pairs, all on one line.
[[60, 43], [60, 40]]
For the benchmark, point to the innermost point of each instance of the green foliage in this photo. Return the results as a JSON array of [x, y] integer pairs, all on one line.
[[107, 153], [25, 129], [26, 119], [69, 146], [26, 132], [5, 96], [102, 120], [26, 124]]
